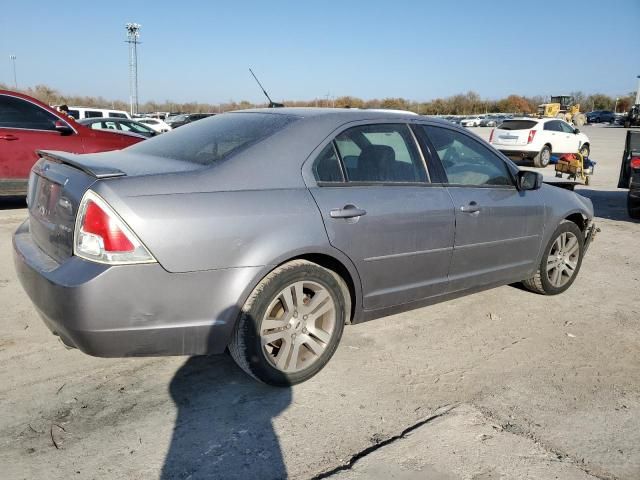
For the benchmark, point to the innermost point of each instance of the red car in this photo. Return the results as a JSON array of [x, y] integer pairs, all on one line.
[[27, 125]]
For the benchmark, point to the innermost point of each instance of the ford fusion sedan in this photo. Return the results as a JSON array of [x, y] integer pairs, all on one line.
[[27, 125], [264, 232], [122, 125], [537, 139]]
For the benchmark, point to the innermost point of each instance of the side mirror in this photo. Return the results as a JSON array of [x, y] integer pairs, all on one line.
[[63, 128], [576, 131], [528, 180]]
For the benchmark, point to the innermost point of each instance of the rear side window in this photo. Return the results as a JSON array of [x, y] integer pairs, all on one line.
[[75, 114], [19, 113], [117, 115], [553, 126], [326, 168], [380, 153], [211, 140], [518, 124], [92, 114], [466, 161]]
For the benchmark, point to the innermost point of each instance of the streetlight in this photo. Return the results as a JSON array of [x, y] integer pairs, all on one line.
[[615, 108], [15, 79]]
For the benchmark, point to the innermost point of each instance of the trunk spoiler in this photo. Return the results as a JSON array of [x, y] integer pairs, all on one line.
[[95, 170]]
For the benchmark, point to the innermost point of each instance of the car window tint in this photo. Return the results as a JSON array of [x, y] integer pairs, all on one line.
[[92, 114], [565, 127], [19, 113], [466, 161], [326, 168], [215, 138], [552, 126], [117, 115], [75, 114], [380, 153]]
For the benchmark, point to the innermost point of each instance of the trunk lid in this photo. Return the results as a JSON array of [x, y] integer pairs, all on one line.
[[513, 132], [55, 191], [59, 180]]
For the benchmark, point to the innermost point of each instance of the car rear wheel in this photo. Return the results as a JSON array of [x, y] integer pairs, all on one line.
[[291, 324], [543, 158], [560, 262], [633, 205]]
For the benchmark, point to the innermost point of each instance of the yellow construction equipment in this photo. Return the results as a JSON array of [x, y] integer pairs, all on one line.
[[564, 107]]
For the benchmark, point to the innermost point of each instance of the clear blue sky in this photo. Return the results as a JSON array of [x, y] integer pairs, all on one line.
[[303, 49]]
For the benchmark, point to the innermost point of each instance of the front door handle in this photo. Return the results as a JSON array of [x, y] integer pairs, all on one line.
[[473, 207], [348, 211], [8, 137]]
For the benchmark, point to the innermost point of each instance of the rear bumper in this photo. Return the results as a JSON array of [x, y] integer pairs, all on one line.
[[516, 152], [131, 310]]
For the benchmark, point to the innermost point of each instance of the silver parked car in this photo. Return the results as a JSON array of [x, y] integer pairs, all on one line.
[[266, 231]]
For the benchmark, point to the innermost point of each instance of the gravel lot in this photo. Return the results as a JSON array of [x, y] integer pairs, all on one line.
[[501, 384]]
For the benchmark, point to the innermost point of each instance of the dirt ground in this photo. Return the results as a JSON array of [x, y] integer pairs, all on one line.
[[501, 384]]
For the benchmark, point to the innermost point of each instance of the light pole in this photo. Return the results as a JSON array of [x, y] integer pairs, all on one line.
[[615, 108], [133, 34], [638, 92], [15, 78]]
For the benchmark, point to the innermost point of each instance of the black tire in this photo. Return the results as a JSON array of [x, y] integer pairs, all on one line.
[[540, 282], [246, 343], [543, 158], [585, 151], [633, 207]]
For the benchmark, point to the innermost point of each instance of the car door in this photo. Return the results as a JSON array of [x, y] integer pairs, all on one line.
[[571, 138], [498, 228], [24, 128], [554, 135], [380, 209]]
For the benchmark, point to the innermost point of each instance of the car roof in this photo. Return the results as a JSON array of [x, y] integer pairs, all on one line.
[[111, 119], [340, 115]]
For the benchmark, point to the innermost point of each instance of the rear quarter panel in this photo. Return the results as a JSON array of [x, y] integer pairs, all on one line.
[[212, 230]]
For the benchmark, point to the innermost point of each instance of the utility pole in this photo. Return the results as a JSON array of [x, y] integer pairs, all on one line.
[[15, 78], [638, 92], [133, 34]]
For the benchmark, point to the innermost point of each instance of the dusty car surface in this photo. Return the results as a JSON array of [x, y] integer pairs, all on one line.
[[266, 231]]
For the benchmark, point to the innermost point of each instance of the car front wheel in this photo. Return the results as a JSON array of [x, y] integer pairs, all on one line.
[[291, 324], [560, 262]]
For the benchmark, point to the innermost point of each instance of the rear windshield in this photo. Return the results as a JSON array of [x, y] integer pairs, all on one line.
[[518, 124], [211, 140]]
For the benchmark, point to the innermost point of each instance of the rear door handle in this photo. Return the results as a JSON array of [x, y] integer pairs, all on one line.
[[348, 211], [8, 137], [473, 207]]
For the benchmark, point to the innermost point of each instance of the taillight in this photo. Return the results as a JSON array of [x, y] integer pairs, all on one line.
[[532, 133], [102, 236], [491, 135], [635, 162]]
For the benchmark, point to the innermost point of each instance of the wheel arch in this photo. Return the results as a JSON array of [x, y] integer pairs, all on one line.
[[330, 259], [579, 219]]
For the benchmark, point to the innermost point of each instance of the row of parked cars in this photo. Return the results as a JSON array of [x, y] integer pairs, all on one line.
[[489, 120]]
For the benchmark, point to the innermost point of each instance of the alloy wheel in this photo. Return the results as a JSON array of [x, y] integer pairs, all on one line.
[[563, 259], [298, 326]]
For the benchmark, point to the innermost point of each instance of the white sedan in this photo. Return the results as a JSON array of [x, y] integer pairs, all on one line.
[[538, 138], [471, 122], [155, 123]]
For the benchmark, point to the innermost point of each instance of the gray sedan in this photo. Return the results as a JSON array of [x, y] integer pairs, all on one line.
[[264, 232]]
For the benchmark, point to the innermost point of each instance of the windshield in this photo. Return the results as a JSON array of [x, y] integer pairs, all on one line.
[[518, 124], [211, 140]]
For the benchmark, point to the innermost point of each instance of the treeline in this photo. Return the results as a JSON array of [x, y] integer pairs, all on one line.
[[461, 104]]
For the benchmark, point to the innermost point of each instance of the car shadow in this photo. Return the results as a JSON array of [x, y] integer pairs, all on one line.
[[610, 204], [224, 424], [12, 203]]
